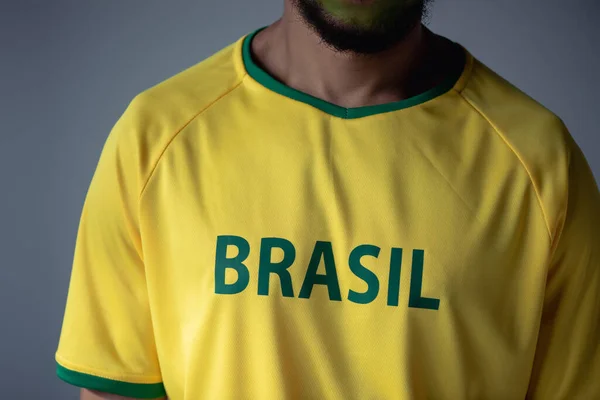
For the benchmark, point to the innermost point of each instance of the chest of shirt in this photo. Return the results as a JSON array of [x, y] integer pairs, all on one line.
[[445, 219]]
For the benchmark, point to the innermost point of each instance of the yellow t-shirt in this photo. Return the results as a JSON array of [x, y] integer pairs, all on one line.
[[243, 240]]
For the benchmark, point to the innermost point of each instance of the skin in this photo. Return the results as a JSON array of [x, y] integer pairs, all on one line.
[[294, 54]]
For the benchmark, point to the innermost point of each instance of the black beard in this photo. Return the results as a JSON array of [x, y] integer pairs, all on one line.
[[383, 35]]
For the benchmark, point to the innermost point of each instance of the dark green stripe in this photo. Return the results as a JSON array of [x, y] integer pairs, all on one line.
[[263, 77], [136, 390]]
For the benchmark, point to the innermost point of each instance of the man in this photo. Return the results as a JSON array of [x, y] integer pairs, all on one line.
[[343, 205]]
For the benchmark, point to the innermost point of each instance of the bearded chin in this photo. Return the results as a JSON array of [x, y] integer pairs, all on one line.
[[381, 35]]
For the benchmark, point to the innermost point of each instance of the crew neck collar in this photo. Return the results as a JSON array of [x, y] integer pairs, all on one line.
[[455, 76]]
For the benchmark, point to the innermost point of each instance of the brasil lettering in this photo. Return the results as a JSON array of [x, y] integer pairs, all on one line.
[[322, 252]]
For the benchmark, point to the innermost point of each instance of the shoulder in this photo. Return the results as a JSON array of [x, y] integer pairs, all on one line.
[[539, 139], [192, 90], [523, 121], [175, 101], [154, 117]]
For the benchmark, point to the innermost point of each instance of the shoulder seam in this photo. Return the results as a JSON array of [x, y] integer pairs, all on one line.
[[521, 161], [200, 112]]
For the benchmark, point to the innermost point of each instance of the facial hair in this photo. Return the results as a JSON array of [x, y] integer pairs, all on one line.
[[382, 34]]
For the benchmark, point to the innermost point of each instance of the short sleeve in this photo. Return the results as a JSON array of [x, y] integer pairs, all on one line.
[[107, 341], [567, 360]]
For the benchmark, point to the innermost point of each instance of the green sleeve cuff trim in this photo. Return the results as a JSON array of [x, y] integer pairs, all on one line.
[[136, 390]]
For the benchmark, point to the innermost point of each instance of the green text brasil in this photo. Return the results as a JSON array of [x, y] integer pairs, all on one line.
[[321, 253]]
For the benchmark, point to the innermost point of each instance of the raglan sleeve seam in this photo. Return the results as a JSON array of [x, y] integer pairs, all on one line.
[[521, 161], [172, 137]]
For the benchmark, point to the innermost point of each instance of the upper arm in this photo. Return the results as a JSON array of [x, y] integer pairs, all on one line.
[[107, 338], [567, 360]]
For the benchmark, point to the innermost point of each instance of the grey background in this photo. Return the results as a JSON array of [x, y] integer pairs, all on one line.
[[69, 68]]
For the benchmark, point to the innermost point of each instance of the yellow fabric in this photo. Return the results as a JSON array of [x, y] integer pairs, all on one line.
[[482, 184]]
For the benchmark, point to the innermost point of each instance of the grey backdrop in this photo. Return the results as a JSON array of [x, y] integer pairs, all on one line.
[[69, 68]]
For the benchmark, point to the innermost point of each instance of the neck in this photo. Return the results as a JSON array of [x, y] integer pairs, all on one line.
[[294, 54]]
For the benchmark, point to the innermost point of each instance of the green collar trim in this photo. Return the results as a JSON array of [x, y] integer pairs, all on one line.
[[266, 80]]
